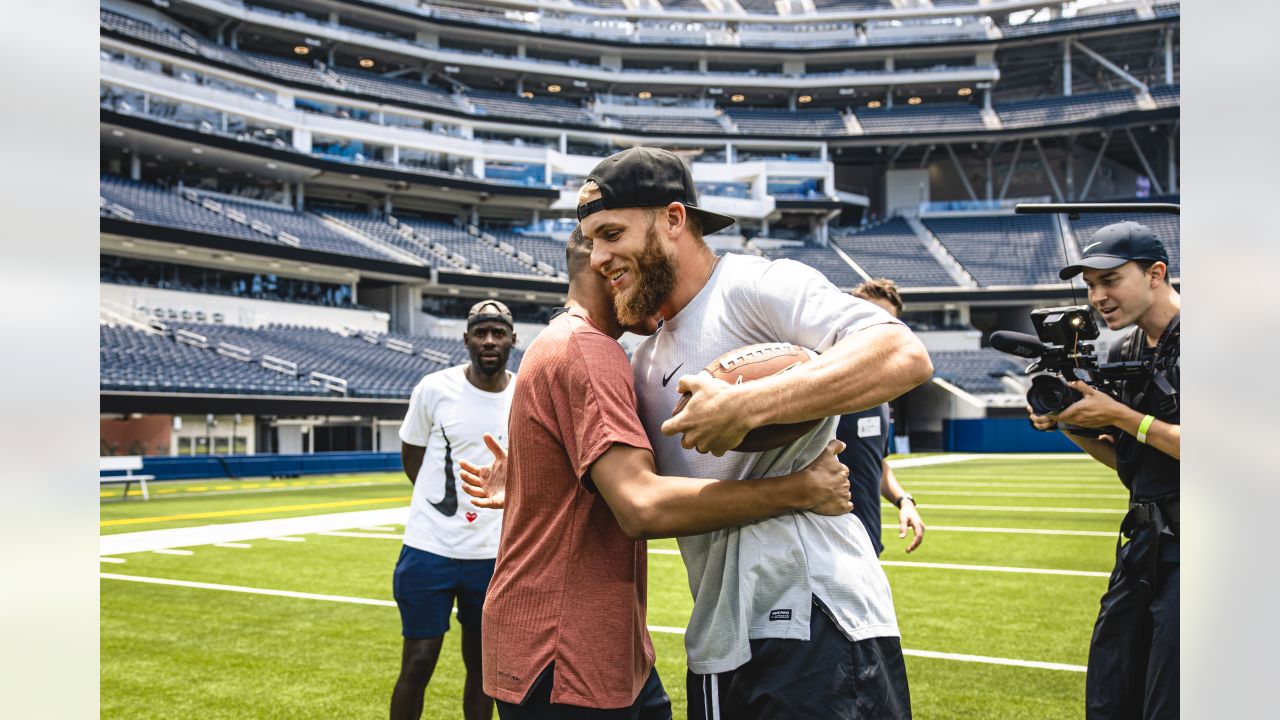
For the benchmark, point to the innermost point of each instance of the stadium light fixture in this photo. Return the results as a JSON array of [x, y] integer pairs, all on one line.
[[553, 88], [118, 133], [197, 151], [715, 91], [847, 91], [580, 83], [301, 50], [271, 166], [644, 94], [527, 95], [964, 92], [804, 99], [914, 100], [366, 62], [873, 104], [738, 98]]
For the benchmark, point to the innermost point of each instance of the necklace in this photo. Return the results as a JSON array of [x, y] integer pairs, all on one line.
[[714, 263]]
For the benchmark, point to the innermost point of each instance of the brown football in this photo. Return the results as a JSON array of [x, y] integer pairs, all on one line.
[[752, 362]]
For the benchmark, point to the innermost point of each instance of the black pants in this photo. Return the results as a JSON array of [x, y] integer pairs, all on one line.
[[827, 676], [1133, 658], [651, 704]]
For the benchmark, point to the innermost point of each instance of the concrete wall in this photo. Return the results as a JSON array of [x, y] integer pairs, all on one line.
[[905, 190]]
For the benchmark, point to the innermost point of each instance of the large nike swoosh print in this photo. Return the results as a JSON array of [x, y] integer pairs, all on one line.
[[449, 505], [666, 379]]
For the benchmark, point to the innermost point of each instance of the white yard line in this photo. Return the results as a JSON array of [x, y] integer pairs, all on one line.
[[379, 529], [238, 546], [1015, 508], [994, 568], [165, 551], [994, 660], [1011, 531], [949, 566], [233, 532], [348, 534], [652, 628], [993, 493], [962, 457], [112, 560], [1033, 485], [288, 539]]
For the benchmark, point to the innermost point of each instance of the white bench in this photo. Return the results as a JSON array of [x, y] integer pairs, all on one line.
[[127, 463]]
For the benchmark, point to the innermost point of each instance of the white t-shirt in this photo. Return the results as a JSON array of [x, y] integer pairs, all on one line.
[[758, 580], [449, 417]]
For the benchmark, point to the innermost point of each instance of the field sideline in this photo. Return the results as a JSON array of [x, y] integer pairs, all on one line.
[[222, 600]]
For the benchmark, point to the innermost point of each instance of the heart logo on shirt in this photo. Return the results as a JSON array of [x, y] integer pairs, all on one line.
[[471, 517]]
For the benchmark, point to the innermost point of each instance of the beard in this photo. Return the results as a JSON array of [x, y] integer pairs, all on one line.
[[655, 278]]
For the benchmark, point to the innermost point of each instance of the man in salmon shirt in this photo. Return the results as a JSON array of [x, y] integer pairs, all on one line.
[[564, 619]]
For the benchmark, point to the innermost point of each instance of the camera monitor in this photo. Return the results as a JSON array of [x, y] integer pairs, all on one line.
[[1064, 326]]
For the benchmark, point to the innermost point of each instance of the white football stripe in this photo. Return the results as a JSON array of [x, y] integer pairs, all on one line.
[[652, 628]]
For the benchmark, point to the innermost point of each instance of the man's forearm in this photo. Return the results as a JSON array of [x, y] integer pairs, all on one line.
[[1163, 436], [866, 368], [659, 506], [890, 489], [1101, 450]]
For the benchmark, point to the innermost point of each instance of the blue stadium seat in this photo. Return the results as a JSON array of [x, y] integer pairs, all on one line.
[[1004, 249], [892, 250]]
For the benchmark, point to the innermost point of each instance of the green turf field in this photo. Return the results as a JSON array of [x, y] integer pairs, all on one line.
[[983, 604]]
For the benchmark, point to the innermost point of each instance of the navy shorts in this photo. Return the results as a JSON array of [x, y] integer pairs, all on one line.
[[651, 704], [425, 586]]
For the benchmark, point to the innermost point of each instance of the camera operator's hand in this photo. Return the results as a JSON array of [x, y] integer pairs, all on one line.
[[1043, 423], [1094, 409]]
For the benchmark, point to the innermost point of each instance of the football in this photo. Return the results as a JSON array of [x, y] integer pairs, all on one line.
[[753, 362]]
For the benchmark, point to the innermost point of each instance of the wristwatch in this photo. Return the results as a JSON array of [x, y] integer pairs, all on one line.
[[905, 496]]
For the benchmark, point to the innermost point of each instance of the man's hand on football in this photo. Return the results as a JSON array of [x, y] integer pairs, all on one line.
[[710, 421], [487, 485]]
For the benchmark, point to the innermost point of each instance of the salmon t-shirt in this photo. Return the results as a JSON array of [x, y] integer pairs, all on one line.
[[569, 586]]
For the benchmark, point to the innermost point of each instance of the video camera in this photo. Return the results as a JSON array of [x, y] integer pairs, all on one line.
[[1063, 348]]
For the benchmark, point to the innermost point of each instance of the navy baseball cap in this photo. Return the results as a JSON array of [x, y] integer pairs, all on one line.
[[1115, 245], [648, 177]]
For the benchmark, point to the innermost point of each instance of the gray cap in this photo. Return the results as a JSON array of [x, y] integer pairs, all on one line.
[[489, 310]]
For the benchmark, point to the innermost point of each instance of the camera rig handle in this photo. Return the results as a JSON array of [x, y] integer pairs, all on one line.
[[1074, 209]]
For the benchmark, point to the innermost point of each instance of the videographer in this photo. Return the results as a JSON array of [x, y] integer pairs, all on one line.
[[1133, 656]]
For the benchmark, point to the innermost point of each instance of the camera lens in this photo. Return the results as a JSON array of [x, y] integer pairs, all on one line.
[[1049, 394]]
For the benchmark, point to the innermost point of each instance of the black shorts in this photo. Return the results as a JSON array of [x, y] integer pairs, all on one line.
[[651, 704], [827, 676]]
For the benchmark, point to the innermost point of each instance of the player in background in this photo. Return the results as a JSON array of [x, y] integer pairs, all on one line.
[[866, 438], [792, 615], [449, 547], [565, 621]]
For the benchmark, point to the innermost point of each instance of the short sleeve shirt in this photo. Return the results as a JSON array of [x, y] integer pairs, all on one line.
[[758, 580], [449, 416], [866, 438], [569, 586]]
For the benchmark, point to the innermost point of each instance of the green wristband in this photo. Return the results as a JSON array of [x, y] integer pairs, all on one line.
[[1143, 427]]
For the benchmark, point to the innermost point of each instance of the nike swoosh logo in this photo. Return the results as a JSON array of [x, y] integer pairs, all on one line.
[[666, 379], [1091, 245], [448, 506]]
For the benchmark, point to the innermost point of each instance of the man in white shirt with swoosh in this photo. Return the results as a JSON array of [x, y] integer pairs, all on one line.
[[449, 547], [792, 616]]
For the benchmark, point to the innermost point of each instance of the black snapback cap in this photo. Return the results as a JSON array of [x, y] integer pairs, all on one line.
[[648, 177], [1115, 245]]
